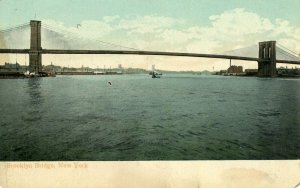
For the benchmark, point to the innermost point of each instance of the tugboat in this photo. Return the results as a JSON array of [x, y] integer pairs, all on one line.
[[155, 74]]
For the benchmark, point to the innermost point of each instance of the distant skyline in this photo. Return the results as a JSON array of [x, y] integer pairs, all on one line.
[[200, 26]]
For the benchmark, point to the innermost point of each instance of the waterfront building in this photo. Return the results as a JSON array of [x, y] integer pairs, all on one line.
[[235, 69]]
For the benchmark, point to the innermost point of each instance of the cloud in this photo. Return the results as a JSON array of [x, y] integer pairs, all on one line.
[[110, 18], [240, 22], [147, 24], [203, 46], [228, 30], [90, 29]]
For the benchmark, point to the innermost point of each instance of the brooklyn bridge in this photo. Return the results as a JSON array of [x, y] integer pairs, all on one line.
[[269, 52]]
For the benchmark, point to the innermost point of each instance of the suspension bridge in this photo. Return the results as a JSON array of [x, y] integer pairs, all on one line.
[[266, 53]]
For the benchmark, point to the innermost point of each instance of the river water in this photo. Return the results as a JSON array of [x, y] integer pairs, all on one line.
[[176, 117]]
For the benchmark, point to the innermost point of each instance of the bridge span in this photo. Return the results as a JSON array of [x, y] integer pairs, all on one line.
[[140, 52]]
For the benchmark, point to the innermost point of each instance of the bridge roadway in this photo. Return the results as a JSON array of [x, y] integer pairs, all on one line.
[[124, 52]]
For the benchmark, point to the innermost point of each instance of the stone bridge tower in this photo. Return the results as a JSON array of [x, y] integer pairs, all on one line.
[[35, 57], [267, 59]]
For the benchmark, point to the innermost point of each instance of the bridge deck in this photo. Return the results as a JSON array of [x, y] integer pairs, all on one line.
[[124, 52]]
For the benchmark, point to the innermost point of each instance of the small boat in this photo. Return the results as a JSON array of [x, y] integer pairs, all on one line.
[[155, 74], [28, 74]]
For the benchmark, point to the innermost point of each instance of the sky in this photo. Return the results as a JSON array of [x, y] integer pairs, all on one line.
[[198, 26]]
